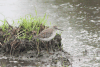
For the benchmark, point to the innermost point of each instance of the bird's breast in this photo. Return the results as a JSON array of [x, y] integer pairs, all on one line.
[[50, 37]]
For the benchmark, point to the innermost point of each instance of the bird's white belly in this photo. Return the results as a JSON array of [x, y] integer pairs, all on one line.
[[50, 38]]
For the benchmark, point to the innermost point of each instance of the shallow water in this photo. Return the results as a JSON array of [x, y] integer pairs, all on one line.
[[80, 21]]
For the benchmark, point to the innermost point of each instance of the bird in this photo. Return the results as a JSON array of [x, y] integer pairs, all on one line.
[[47, 34]]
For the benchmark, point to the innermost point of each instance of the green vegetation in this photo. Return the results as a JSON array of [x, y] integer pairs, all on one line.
[[4, 26], [27, 24], [28, 27]]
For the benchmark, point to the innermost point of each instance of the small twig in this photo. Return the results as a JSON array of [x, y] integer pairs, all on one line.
[[12, 44], [16, 45], [9, 24], [19, 34]]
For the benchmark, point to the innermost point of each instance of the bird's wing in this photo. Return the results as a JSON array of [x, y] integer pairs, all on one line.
[[45, 33]]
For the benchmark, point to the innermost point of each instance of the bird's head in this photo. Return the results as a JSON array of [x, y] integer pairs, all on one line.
[[55, 27]]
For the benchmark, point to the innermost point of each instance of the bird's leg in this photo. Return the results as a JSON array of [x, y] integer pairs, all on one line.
[[43, 42], [50, 43], [47, 47], [46, 43]]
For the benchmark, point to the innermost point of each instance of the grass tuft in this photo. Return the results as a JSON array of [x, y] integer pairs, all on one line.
[[26, 24], [29, 23], [4, 26]]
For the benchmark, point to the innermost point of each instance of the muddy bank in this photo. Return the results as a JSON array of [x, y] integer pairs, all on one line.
[[12, 44], [29, 59]]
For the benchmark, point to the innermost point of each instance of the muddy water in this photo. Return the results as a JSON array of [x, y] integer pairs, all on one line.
[[80, 21]]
